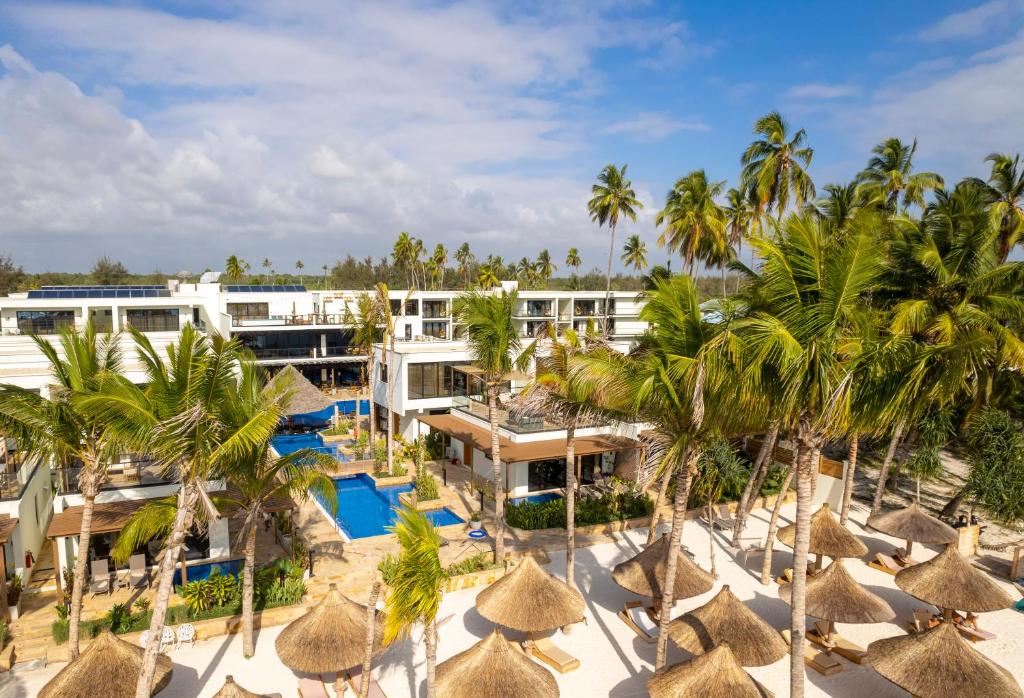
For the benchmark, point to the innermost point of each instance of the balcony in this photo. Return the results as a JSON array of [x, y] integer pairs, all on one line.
[[523, 425], [435, 310], [307, 320], [15, 471], [155, 324], [135, 471]]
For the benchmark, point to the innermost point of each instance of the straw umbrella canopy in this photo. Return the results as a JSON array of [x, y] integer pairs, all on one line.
[[108, 664], [230, 689], [952, 583], [530, 599], [494, 669], [644, 573], [829, 538], [836, 597], [715, 674], [328, 638], [726, 619], [914, 526], [937, 662], [305, 397]]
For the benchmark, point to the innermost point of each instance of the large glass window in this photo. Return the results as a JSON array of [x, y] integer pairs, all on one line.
[[44, 321], [435, 309], [249, 311], [154, 319], [546, 474], [436, 329], [429, 380]]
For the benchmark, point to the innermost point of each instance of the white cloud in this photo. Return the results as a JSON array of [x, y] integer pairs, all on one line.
[[820, 90], [654, 126], [975, 22]]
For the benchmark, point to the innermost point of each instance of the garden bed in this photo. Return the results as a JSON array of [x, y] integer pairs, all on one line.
[[385, 481], [410, 500]]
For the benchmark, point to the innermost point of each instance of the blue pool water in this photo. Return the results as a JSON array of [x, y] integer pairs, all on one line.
[[536, 498], [349, 406], [205, 569], [364, 510], [289, 443]]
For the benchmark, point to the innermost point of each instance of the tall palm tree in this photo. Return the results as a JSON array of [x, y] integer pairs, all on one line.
[[526, 272], [773, 165], [401, 256], [694, 222], [57, 430], [572, 259], [234, 268], [323, 268], [464, 257], [417, 588], [366, 321], [299, 266], [416, 255], [545, 267], [439, 261], [889, 179], [1005, 188], [387, 350], [740, 212], [487, 276], [838, 205], [612, 196], [494, 345], [634, 253], [189, 420]]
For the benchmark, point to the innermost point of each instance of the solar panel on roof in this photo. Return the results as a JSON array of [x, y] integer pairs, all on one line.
[[262, 288]]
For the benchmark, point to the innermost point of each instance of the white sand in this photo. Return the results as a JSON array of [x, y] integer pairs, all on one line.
[[614, 661]]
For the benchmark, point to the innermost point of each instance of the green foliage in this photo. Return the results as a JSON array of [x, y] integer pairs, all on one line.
[[995, 452], [434, 442], [198, 594], [607, 507], [343, 427], [380, 455], [773, 480], [425, 483], [476, 563], [388, 568], [13, 588], [3, 632], [361, 445], [721, 475], [119, 617], [416, 588], [142, 605]]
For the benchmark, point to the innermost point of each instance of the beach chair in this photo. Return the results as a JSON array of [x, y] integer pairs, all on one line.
[[99, 582], [921, 620], [819, 661], [725, 518], [838, 644], [312, 688], [974, 634], [636, 617], [885, 563], [186, 633], [355, 681], [750, 547], [167, 639], [548, 652], [137, 572]]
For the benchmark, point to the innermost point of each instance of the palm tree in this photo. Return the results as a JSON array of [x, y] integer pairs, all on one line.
[[269, 266], [526, 272], [401, 255], [612, 196], [494, 345], [719, 470], [417, 588], [545, 267], [416, 254], [365, 323], [234, 268], [739, 213], [634, 253], [837, 207], [487, 276], [773, 165], [298, 268], [387, 350], [57, 430], [694, 222], [572, 259], [465, 260], [1005, 187], [323, 268], [439, 261], [889, 179], [189, 420]]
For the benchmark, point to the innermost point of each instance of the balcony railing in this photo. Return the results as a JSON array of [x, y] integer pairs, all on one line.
[[155, 324], [287, 320], [134, 472], [43, 326], [435, 312], [15, 471], [522, 425]]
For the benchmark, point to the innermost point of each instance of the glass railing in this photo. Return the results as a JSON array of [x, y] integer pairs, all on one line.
[[136, 472], [525, 424]]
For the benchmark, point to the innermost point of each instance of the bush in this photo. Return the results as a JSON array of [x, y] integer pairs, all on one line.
[[607, 507], [773, 480], [388, 568], [476, 563]]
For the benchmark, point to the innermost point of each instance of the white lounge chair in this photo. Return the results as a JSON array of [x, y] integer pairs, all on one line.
[[637, 618], [99, 581], [186, 633], [167, 638]]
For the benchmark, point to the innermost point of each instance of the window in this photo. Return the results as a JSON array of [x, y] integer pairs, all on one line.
[[436, 329], [396, 306], [249, 311], [546, 474], [538, 308], [44, 321], [435, 309], [383, 373], [154, 319], [408, 332], [429, 380], [412, 307]]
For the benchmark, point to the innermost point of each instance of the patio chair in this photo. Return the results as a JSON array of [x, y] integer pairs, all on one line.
[[167, 638], [355, 681], [312, 688], [186, 633], [137, 572], [99, 581], [836, 644], [725, 517], [715, 522], [819, 661], [548, 652], [637, 619], [749, 547]]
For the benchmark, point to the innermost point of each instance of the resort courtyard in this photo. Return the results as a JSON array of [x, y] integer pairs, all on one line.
[[613, 660]]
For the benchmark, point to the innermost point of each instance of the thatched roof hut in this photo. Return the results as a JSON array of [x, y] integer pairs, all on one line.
[[494, 669], [949, 581], [110, 667], [937, 662], [303, 396], [828, 536], [330, 637], [644, 573], [715, 674], [530, 599], [230, 689], [913, 524], [726, 619], [834, 595]]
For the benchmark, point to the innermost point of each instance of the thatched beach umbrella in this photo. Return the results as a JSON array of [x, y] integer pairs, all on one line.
[[110, 667], [304, 396], [937, 662], [914, 526], [829, 538], [836, 597], [230, 689], [329, 638], [952, 583], [715, 674], [530, 599], [727, 620], [644, 573], [492, 668]]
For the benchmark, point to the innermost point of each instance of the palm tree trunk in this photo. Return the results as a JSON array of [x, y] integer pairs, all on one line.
[[652, 530], [798, 604], [678, 518], [773, 526], [188, 497], [570, 503], [851, 469], [711, 537], [371, 384], [430, 640], [757, 476], [391, 398], [499, 486], [371, 623], [953, 504], [883, 473], [248, 646], [608, 278], [84, 532], [364, 384], [723, 282]]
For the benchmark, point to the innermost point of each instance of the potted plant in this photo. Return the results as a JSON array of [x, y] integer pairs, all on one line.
[[14, 595], [474, 521]]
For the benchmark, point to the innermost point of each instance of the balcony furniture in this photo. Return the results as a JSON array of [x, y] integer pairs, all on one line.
[[99, 582]]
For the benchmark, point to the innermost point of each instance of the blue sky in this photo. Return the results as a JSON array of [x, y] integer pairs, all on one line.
[[171, 135]]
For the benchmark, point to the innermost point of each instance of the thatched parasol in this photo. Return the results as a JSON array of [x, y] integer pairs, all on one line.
[[726, 619], [329, 638], [493, 668], [109, 666], [644, 573], [230, 689], [715, 674], [530, 599], [914, 526], [829, 538], [303, 396], [835, 596], [937, 662], [950, 582]]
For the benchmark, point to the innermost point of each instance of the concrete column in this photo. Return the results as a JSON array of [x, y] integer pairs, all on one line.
[[115, 317]]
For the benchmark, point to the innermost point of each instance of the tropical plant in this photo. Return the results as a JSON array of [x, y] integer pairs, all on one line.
[[487, 276], [838, 205], [572, 259], [1005, 190], [234, 268], [634, 253], [719, 472], [694, 223], [365, 322], [612, 196], [773, 166], [526, 272], [889, 179], [401, 256], [741, 218], [464, 258], [298, 267], [995, 454], [438, 264], [544, 266]]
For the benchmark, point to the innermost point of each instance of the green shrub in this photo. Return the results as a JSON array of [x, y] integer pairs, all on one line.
[[3, 632], [607, 507], [476, 563], [388, 568]]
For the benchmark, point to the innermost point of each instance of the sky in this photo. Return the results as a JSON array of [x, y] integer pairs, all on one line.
[[171, 135]]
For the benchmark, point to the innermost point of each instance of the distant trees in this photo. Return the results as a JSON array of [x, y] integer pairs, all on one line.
[[11, 275], [106, 272]]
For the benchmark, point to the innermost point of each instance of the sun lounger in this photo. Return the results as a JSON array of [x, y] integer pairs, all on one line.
[[786, 577], [819, 661], [922, 620], [837, 644], [99, 581], [137, 572], [355, 681], [312, 688], [885, 563], [546, 651], [639, 621], [749, 548], [725, 517]]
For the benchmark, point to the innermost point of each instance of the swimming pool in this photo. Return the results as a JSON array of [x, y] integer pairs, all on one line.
[[536, 498], [289, 443], [365, 510], [349, 406], [205, 569]]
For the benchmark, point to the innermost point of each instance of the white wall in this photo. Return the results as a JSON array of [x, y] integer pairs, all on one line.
[[33, 511]]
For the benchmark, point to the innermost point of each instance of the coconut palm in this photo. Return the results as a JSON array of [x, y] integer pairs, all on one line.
[[439, 262], [612, 196], [323, 268], [401, 256], [889, 179], [188, 419], [572, 259], [544, 266], [740, 211], [299, 267], [634, 253], [417, 586], [416, 255], [387, 350], [464, 258], [234, 268], [57, 430], [365, 322], [719, 470], [487, 276], [494, 346], [526, 272], [694, 223], [773, 165], [1005, 188], [838, 205]]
